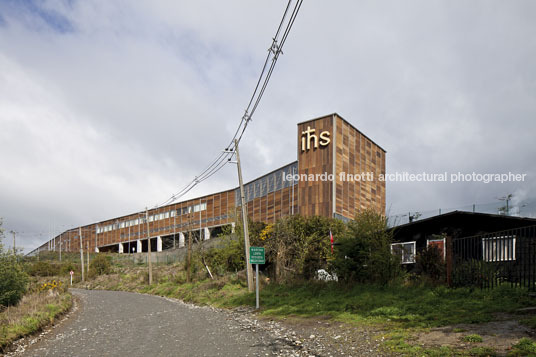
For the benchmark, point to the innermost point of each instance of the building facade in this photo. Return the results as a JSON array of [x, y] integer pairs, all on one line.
[[337, 174]]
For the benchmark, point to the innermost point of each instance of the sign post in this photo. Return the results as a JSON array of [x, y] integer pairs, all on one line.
[[71, 272], [256, 256]]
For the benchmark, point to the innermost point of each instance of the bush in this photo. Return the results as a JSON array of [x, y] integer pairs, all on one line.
[[364, 253], [44, 268], [431, 264], [100, 265], [229, 257], [13, 280]]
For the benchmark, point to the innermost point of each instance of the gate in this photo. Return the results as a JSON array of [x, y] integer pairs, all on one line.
[[492, 259]]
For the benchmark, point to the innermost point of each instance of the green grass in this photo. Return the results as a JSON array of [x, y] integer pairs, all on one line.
[[525, 347], [474, 338], [393, 305], [530, 322], [31, 315]]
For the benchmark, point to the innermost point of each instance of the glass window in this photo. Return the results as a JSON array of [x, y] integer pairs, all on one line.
[[405, 250]]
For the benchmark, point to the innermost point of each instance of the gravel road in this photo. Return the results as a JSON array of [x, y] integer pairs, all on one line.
[[112, 323], [115, 323]]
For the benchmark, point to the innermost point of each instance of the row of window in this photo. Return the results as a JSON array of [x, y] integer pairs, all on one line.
[[494, 249], [153, 218], [268, 183], [177, 226]]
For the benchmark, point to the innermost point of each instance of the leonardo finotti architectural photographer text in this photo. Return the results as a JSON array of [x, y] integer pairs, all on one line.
[[410, 177]]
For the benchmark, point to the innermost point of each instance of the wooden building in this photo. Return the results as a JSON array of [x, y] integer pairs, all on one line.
[[337, 174]]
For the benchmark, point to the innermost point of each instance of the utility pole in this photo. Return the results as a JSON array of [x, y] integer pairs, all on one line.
[[149, 248], [249, 269], [189, 268], [87, 258], [81, 253]]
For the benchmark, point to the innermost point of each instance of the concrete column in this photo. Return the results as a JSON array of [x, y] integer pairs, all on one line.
[[207, 233], [120, 248], [181, 240], [138, 246], [232, 227], [158, 244]]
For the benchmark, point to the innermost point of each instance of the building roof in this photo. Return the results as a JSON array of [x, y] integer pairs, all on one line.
[[459, 224]]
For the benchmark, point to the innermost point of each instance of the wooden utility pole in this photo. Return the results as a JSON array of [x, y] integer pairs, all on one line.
[[81, 253], [149, 248], [189, 267], [88, 258], [249, 269]]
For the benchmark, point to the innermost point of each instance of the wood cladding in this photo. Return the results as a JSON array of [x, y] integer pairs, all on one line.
[[356, 154], [327, 145], [314, 197]]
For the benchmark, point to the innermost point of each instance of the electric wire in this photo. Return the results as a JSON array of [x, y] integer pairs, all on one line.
[[225, 156]]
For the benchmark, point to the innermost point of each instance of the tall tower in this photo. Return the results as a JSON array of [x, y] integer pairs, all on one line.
[[339, 169]]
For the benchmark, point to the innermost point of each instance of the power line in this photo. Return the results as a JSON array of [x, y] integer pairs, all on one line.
[[225, 156]]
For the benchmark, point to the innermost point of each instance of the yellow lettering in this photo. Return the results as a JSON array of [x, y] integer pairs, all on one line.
[[309, 135], [324, 138]]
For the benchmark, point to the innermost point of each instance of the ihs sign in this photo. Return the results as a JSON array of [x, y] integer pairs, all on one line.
[[309, 135]]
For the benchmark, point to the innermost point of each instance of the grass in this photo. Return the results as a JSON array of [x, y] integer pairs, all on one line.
[[525, 347], [530, 322], [34, 311], [474, 338], [398, 306]]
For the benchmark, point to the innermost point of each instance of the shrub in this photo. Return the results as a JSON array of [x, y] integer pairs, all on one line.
[[13, 281], [430, 262], [44, 268], [100, 265], [525, 347], [229, 257], [364, 253]]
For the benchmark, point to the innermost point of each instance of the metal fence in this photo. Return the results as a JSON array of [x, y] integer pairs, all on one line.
[[492, 259]]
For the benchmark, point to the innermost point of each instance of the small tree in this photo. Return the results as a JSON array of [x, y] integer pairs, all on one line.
[[430, 263], [364, 253], [13, 280]]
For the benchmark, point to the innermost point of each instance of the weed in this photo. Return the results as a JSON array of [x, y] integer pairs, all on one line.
[[472, 338], [482, 352], [525, 347]]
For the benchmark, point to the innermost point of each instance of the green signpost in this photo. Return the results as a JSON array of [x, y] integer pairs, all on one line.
[[256, 256]]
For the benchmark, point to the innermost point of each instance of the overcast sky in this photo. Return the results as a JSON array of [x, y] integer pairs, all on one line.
[[110, 106]]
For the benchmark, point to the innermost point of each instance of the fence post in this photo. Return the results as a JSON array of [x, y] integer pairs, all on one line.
[[449, 260]]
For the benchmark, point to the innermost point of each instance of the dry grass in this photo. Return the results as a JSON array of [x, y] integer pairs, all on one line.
[[35, 310]]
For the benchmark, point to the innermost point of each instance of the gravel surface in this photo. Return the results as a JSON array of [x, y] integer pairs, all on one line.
[[114, 323]]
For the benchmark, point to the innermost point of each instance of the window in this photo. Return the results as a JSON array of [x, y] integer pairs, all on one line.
[[151, 218], [499, 249], [439, 244], [406, 251]]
